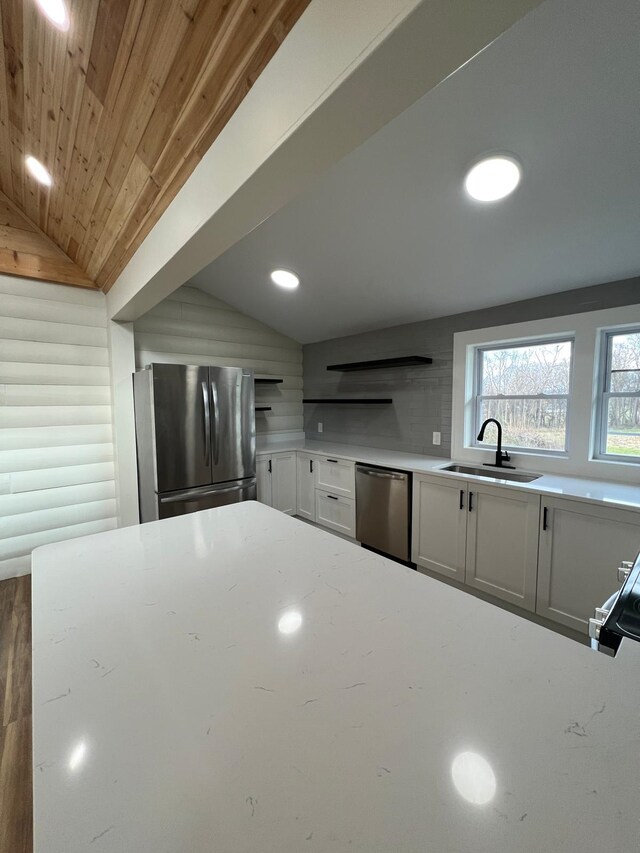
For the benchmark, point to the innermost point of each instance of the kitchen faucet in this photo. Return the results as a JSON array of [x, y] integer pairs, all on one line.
[[501, 455]]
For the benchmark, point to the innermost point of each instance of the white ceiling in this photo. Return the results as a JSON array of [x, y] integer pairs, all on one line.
[[387, 236]]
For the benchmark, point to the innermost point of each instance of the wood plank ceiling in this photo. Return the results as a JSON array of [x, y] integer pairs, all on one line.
[[120, 109]]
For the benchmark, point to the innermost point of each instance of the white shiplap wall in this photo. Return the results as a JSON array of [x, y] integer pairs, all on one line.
[[56, 451], [191, 327]]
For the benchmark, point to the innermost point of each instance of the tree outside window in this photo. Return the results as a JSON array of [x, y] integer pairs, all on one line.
[[527, 388], [620, 396]]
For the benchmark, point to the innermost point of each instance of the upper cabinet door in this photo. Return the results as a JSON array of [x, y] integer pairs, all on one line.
[[502, 543], [233, 430], [182, 426]]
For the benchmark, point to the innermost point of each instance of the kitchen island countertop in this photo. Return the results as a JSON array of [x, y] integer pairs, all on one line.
[[236, 680]]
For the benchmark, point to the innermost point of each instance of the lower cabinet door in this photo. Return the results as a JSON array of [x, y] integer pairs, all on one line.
[[439, 527], [336, 513], [306, 490], [581, 546], [502, 543], [263, 479], [283, 482]]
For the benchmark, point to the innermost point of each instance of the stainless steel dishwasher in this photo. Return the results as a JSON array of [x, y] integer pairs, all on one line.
[[383, 502]]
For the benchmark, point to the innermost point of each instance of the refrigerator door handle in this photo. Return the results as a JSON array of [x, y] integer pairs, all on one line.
[[204, 492], [216, 422], [207, 424]]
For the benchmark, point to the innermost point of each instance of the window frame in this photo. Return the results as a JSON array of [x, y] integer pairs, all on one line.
[[477, 397], [603, 395]]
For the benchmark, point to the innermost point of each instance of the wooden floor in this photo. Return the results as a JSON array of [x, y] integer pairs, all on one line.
[[16, 832]]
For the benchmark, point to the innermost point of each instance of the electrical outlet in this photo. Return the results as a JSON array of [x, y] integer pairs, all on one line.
[[319, 427], [436, 438]]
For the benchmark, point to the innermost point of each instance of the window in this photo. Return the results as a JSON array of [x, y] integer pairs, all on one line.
[[526, 386], [619, 398]]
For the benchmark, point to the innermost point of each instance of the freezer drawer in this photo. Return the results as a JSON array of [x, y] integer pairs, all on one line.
[[193, 500], [382, 510]]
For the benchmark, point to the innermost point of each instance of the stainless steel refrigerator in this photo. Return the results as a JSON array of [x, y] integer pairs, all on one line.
[[195, 438]]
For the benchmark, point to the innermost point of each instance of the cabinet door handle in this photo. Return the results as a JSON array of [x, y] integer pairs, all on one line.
[[311, 466], [333, 497], [269, 469], [545, 518], [461, 498], [470, 501]]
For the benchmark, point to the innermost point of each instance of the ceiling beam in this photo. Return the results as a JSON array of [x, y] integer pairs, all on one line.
[[326, 91]]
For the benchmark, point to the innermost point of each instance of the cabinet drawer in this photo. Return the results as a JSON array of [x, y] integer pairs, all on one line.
[[337, 476], [336, 513]]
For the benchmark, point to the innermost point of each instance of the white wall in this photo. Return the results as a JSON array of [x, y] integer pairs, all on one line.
[[56, 452], [191, 327]]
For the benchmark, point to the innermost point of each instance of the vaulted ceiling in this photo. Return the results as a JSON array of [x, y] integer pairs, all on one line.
[[388, 235], [120, 109]]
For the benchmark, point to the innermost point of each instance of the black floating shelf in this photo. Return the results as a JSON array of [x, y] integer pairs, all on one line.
[[263, 408], [381, 363], [351, 401], [268, 380]]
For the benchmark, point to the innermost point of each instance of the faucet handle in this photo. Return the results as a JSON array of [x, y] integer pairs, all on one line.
[[506, 456]]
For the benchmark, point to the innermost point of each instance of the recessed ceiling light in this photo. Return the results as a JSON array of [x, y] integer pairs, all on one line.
[[493, 177], [56, 12], [285, 278], [38, 171]]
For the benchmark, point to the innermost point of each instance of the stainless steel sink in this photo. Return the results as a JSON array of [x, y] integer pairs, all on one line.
[[492, 473]]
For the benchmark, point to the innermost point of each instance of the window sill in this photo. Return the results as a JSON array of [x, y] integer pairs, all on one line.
[[616, 460]]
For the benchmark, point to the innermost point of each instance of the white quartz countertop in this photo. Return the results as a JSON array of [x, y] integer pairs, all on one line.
[[173, 713], [602, 492]]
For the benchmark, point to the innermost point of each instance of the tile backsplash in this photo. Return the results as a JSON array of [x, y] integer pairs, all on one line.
[[421, 395]]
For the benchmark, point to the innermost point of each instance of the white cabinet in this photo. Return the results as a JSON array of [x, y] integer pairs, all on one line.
[[276, 481], [439, 526], [336, 513], [502, 543], [263, 479], [283, 482], [306, 491], [484, 536], [337, 476], [581, 546]]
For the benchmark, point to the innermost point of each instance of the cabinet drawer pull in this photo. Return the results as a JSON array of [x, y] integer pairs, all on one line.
[[461, 498], [332, 460], [333, 497], [545, 518], [470, 501]]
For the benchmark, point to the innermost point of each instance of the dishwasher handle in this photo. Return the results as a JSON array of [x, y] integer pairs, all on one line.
[[385, 475]]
